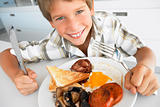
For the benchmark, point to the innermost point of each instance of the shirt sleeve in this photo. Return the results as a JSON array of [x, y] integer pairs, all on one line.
[[126, 42], [47, 49]]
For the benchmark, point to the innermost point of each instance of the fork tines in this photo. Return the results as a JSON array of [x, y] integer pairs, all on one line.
[[103, 48]]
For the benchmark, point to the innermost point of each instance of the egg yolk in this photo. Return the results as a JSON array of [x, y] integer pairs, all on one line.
[[97, 79]]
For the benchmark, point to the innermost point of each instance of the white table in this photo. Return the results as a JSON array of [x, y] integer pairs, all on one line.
[[10, 97], [4, 45]]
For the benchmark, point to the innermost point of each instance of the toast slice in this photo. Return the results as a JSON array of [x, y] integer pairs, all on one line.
[[53, 86], [61, 78]]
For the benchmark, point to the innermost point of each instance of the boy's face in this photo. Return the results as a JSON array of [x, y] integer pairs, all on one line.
[[72, 20]]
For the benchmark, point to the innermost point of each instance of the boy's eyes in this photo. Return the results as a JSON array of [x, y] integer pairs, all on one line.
[[79, 12], [60, 18]]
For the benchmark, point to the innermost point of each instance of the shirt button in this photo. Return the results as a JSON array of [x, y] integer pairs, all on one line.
[[99, 19]]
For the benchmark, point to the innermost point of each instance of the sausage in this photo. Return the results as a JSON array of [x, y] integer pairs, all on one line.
[[82, 65], [101, 97], [116, 91], [106, 96]]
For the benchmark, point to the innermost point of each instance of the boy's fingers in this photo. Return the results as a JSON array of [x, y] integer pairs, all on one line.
[[145, 83], [28, 86], [23, 79], [152, 91], [133, 90], [149, 87], [137, 77], [128, 85], [25, 86], [26, 91], [153, 86], [31, 73]]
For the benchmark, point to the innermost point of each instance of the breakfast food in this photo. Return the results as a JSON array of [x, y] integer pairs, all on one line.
[[52, 85], [116, 91], [82, 65], [101, 98], [71, 96], [82, 87], [97, 79], [62, 77], [107, 95]]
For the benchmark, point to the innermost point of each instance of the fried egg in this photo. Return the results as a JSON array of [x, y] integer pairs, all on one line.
[[97, 79]]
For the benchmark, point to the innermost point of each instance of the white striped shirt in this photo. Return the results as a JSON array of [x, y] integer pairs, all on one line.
[[106, 28]]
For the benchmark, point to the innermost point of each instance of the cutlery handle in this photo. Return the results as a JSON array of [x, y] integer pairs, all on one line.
[[22, 66]]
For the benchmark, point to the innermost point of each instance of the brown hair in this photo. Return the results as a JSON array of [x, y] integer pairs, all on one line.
[[45, 7]]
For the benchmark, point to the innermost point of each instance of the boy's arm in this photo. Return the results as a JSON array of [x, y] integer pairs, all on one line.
[[9, 63], [141, 78], [26, 84], [146, 57]]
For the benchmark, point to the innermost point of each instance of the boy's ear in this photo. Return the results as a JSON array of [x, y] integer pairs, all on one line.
[[52, 24], [92, 9]]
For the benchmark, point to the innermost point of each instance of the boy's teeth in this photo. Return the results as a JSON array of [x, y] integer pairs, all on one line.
[[76, 35]]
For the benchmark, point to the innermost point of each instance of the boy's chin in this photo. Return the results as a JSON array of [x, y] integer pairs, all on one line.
[[78, 44]]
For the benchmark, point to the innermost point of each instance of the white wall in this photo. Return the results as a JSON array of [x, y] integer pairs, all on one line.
[[28, 22], [143, 19]]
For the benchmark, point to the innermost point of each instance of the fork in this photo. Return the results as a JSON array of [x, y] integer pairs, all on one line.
[[109, 52]]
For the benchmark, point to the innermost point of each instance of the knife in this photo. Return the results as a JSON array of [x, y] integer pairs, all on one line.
[[15, 46]]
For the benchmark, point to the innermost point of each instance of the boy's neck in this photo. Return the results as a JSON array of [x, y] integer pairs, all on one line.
[[85, 45]]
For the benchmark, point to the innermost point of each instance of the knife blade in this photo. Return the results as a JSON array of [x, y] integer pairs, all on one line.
[[15, 46]]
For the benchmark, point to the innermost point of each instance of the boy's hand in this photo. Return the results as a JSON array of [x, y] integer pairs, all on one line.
[[26, 84], [141, 79]]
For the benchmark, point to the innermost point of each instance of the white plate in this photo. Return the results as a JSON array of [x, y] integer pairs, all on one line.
[[107, 66]]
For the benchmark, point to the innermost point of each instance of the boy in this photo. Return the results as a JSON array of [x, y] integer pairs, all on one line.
[[76, 27]]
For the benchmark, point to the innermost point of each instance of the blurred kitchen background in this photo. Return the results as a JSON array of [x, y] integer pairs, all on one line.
[[140, 17]]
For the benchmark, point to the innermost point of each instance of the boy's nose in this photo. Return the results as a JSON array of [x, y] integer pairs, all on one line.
[[73, 25]]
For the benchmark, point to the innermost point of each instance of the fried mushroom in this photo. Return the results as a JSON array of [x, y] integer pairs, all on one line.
[[71, 97], [59, 102]]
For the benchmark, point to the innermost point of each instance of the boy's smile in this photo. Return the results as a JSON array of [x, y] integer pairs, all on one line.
[[77, 34], [72, 20]]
